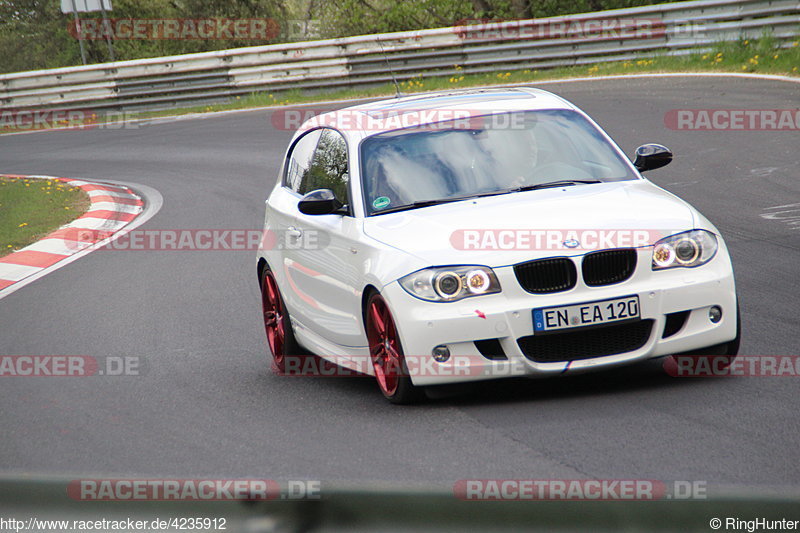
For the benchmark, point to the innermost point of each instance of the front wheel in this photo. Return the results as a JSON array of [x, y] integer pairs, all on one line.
[[386, 354], [277, 325]]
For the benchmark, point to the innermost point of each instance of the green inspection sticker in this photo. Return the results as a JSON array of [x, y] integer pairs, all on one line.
[[380, 202]]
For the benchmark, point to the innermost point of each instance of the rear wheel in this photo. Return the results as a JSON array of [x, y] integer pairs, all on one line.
[[277, 325], [386, 354]]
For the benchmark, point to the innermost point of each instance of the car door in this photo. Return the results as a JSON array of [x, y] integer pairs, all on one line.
[[281, 213], [323, 261]]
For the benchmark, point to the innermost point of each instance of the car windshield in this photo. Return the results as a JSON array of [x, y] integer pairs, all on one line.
[[493, 154]]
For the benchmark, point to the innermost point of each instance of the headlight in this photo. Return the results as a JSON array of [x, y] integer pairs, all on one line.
[[688, 249], [448, 284]]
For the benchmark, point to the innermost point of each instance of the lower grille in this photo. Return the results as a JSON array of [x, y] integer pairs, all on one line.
[[674, 323], [554, 274], [608, 267], [491, 349], [586, 343]]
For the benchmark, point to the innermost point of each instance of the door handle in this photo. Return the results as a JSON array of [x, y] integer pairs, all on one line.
[[293, 232]]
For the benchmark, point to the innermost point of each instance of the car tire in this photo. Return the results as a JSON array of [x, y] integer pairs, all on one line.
[[277, 325], [386, 353]]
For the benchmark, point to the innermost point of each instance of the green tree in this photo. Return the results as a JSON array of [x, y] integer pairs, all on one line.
[[34, 34]]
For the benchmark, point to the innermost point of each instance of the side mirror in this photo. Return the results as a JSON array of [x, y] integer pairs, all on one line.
[[319, 202], [652, 156]]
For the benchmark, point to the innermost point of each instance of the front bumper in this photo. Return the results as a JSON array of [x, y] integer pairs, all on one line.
[[507, 317]]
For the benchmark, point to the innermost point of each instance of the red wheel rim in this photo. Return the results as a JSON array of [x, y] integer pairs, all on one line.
[[273, 317], [384, 346]]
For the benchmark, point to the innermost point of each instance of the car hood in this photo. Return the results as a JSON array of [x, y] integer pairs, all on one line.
[[506, 229]]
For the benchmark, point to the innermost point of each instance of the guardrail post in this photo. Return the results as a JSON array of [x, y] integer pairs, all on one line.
[[80, 32]]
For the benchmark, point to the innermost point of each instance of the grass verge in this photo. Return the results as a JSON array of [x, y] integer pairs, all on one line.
[[32, 208]]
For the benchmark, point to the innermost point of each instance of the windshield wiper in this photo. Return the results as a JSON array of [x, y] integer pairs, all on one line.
[[421, 203], [549, 184], [428, 203]]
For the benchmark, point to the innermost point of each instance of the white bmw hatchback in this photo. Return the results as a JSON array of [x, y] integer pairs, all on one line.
[[483, 234]]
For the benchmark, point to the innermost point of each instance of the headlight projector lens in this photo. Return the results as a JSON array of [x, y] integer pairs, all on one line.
[[686, 251], [448, 284]]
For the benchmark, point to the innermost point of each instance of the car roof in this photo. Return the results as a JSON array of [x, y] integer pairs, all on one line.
[[351, 120]]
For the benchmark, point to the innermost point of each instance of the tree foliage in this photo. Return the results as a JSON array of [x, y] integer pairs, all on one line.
[[34, 33], [354, 17]]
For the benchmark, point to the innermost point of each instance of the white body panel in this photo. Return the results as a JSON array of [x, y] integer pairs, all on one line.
[[323, 286]]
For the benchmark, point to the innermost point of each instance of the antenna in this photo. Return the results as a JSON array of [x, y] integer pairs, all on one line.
[[398, 94]]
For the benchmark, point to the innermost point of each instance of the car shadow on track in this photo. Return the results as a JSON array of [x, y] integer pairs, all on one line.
[[644, 376]]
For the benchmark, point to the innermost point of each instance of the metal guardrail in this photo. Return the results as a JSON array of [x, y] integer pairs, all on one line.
[[194, 79]]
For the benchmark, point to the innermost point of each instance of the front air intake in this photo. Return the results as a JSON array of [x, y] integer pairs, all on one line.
[[608, 267], [541, 276]]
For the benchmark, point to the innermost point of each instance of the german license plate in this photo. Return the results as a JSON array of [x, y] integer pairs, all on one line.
[[586, 314]]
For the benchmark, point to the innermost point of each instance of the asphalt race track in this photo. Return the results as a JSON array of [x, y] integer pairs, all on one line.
[[207, 404]]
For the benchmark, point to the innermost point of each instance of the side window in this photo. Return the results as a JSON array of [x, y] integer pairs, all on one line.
[[300, 161], [319, 161], [329, 168]]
